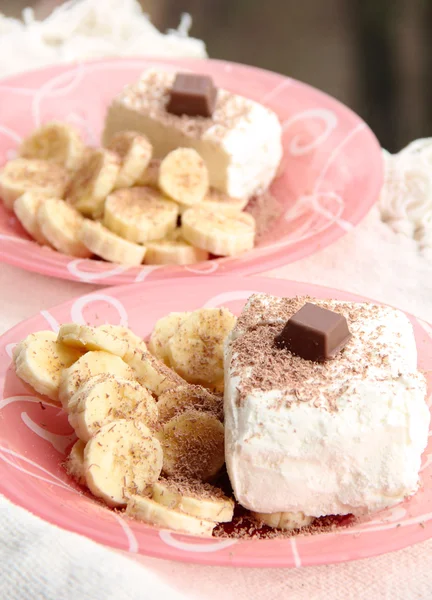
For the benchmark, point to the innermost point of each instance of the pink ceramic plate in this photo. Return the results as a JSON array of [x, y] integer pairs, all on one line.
[[35, 437], [332, 168]]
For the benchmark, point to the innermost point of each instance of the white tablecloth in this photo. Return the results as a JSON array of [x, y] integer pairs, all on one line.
[[38, 560]]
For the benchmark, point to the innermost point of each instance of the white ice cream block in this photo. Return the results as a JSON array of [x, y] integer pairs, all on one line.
[[240, 144], [339, 437]]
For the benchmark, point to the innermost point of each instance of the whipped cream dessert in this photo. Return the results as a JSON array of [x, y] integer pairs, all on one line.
[[323, 438], [240, 143]]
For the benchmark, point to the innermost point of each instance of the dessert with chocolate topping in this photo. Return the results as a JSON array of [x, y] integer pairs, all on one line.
[[335, 437], [238, 138]]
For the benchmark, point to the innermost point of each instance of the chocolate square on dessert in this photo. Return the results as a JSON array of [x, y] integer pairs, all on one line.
[[192, 95], [314, 333]]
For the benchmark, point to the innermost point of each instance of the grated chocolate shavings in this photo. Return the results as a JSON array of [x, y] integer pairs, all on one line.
[[151, 94], [193, 445], [262, 367], [186, 397], [192, 487], [245, 527]]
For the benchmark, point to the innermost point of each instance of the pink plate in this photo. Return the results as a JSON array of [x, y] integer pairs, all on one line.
[[35, 436], [332, 168]]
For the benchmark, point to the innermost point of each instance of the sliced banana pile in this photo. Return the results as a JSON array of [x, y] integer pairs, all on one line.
[[136, 419], [148, 440], [119, 202]]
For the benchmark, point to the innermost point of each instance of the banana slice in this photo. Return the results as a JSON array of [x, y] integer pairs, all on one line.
[[152, 373], [40, 360], [25, 207], [196, 350], [135, 152], [194, 498], [283, 520], [55, 142], [218, 233], [109, 246], [140, 214], [193, 445], [89, 365], [133, 341], [150, 176], [186, 397], [74, 464], [93, 181], [106, 398], [151, 512], [23, 175], [217, 201], [122, 459], [173, 252], [163, 331], [41, 336], [85, 337], [60, 224], [183, 176]]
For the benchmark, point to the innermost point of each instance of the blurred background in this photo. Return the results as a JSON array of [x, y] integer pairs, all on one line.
[[373, 55]]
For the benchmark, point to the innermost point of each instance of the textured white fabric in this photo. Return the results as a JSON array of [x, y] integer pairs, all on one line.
[[405, 202], [40, 561], [83, 29]]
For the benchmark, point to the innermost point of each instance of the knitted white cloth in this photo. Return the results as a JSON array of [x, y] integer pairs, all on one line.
[[83, 29], [406, 198]]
